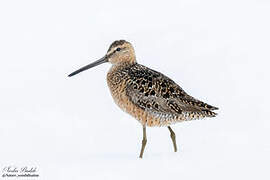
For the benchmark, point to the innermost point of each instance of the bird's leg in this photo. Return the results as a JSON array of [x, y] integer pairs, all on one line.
[[143, 142], [173, 138]]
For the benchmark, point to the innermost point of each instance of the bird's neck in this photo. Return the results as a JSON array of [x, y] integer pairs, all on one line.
[[126, 59], [122, 65]]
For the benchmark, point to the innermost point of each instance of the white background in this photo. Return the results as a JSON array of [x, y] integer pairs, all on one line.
[[70, 128]]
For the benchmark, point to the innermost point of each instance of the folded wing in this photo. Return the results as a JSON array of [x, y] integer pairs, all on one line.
[[161, 96]]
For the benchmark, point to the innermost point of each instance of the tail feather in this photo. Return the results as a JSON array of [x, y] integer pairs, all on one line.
[[209, 113]]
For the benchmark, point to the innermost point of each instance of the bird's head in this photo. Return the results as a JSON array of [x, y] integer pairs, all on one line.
[[119, 52]]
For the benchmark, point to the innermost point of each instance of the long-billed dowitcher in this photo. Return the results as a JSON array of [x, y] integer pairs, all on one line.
[[147, 95]]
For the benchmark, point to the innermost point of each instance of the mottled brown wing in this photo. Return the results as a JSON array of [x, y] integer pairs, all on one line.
[[155, 92]]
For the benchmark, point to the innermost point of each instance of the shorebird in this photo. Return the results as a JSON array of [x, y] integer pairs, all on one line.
[[149, 96]]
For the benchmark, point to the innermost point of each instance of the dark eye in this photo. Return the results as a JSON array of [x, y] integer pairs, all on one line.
[[118, 49]]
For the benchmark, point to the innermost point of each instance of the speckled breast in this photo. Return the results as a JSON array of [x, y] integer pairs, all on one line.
[[118, 79]]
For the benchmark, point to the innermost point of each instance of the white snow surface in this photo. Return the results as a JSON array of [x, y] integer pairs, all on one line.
[[70, 128]]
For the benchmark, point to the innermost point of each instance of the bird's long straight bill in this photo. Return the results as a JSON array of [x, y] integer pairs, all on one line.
[[98, 62]]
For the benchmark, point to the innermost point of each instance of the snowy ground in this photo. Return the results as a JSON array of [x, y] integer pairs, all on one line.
[[69, 128]]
